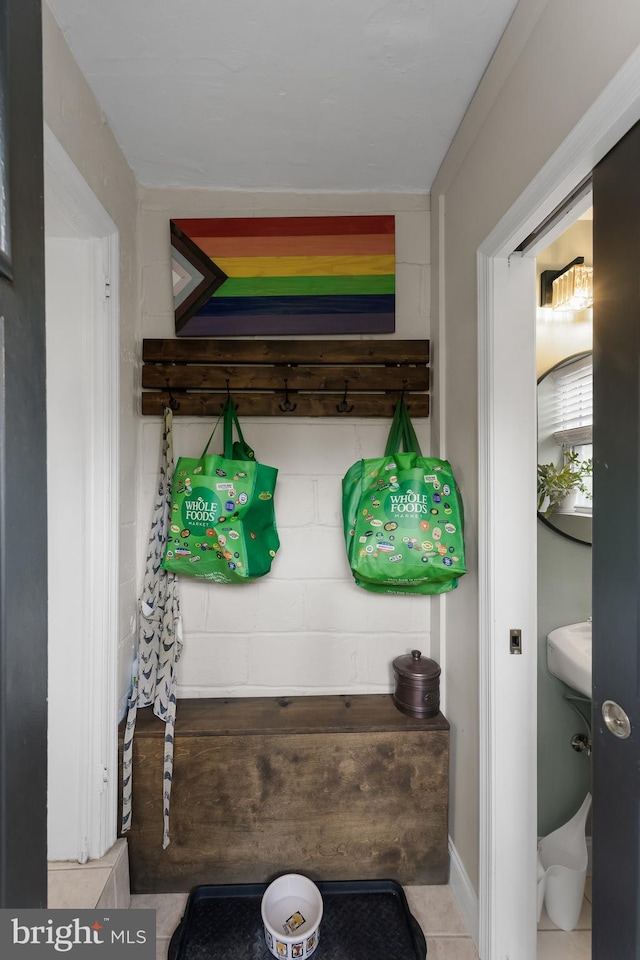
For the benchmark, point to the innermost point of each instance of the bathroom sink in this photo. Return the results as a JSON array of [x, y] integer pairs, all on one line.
[[569, 655]]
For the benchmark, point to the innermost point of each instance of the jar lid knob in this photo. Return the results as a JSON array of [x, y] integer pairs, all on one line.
[[416, 654]]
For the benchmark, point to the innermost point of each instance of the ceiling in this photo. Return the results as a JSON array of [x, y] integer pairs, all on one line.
[[284, 94]]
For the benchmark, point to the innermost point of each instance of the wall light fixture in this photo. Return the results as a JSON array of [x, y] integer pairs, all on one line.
[[570, 288]]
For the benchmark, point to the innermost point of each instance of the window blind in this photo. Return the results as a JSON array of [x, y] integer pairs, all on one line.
[[572, 404]]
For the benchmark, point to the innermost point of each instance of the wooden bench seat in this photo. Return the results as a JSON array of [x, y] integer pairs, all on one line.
[[336, 787]]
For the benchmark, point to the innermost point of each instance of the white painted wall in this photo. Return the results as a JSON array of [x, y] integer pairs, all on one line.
[[74, 117], [550, 67], [68, 291], [305, 628], [81, 505]]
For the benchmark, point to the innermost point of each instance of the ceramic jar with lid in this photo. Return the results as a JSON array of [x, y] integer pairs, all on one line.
[[417, 691]]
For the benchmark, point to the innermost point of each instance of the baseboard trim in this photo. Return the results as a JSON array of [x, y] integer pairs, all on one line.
[[464, 893]]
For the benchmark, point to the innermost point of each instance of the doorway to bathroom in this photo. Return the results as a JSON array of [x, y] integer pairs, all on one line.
[[507, 591], [564, 375]]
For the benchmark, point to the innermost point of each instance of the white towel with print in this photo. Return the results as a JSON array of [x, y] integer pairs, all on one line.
[[159, 642]]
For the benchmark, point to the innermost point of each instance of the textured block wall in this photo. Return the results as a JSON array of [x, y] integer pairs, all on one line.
[[306, 628]]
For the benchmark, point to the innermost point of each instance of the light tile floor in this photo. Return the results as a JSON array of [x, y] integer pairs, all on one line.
[[97, 883], [435, 910]]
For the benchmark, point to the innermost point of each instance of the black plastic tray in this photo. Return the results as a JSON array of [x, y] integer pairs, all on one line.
[[362, 920]]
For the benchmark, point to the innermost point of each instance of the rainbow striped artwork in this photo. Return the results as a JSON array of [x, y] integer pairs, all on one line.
[[258, 276]]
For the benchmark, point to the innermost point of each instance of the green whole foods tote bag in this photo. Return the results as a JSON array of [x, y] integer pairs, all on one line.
[[403, 518], [223, 526]]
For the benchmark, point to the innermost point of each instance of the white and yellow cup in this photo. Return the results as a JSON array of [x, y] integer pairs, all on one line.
[[291, 913]]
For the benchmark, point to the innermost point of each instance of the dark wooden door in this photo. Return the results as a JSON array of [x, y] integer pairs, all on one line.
[[23, 493], [616, 552]]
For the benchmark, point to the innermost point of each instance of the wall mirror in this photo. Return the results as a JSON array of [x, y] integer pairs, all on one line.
[[565, 447]]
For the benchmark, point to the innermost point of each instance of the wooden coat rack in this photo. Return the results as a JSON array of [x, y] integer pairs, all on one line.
[[302, 378]]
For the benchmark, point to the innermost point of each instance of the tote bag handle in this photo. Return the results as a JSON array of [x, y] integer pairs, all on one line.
[[202, 455], [241, 449], [402, 436], [411, 443]]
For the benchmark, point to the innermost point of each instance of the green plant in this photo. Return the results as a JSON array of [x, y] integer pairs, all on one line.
[[557, 482]]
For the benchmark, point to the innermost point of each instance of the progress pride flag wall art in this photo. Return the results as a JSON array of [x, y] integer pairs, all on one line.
[[265, 276]]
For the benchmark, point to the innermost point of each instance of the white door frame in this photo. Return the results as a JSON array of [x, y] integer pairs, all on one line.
[[506, 362], [89, 827]]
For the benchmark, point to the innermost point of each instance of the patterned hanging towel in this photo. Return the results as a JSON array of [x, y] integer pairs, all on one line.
[[159, 641]]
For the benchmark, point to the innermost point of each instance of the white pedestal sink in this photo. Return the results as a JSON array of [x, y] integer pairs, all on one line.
[[569, 655]]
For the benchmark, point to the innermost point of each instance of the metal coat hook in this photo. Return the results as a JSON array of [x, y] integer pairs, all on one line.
[[287, 406], [402, 393], [343, 407], [229, 398], [173, 403]]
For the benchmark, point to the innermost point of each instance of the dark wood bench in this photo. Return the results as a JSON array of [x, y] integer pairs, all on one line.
[[336, 787]]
